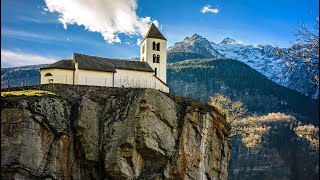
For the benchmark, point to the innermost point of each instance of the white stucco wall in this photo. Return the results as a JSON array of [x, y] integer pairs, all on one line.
[[160, 86], [148, 56], [131, 78], [138, 79], [123, 77], [62, 76], [95, 78]]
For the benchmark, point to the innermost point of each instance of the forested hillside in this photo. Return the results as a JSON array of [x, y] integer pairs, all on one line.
[[202, 78]]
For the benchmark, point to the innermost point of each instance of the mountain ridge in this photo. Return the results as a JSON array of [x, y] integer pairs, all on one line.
[[263, 58], [201, 78]]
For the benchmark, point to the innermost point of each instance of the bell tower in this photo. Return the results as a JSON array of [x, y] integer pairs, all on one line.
[[153, 50]]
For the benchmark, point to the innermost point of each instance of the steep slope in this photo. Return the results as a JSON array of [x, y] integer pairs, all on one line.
[[269, 145], [262, 58], [200, 79], [274, 146], [85, 132]]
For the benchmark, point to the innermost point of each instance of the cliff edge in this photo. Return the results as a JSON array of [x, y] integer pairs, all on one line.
[[82, 132]]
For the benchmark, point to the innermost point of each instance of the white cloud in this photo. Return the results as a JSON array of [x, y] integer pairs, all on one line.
[[37, 20], [139, 41], [33, 36], [208, 9], [11, 58], [25, 35], [108, 17]]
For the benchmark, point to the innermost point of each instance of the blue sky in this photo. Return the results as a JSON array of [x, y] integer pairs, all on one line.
[[32, 34]]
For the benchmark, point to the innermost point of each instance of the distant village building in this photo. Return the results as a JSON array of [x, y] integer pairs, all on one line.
[[149, 72]]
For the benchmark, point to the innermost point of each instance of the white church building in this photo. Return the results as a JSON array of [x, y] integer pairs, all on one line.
[[149, 72]]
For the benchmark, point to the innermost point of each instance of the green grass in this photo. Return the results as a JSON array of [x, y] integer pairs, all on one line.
[[26, 93]]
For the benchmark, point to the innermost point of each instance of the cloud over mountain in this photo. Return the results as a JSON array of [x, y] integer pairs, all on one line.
[[11, 58], [108, 17]]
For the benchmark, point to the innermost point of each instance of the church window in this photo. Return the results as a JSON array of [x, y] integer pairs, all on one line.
[[155, 71], [48, 74], [154, 58], [158, 58], [154, 45], [158, 46]]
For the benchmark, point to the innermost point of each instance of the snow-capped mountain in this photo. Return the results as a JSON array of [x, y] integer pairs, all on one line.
[[195, 44], [262, 58], [228, 41]]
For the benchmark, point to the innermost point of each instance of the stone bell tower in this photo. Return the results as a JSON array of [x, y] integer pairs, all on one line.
[[153, 50]]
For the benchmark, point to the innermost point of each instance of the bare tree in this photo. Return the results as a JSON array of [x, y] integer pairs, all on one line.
[[304, 51], [233, 110]]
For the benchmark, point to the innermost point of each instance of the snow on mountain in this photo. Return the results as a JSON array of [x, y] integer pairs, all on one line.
[[228, 41], [262, 58], [196, 44]]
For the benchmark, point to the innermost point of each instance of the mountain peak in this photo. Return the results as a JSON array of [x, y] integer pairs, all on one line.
[[228, 41], [196, 36]]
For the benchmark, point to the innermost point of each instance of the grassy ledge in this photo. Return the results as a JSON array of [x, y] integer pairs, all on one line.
[[27, 93]]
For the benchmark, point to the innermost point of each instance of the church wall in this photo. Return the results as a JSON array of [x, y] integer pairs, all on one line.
[[143, 51], [138, 79], [123, 77], [131, 78], [160, 85], [95, 78], [62, 76]]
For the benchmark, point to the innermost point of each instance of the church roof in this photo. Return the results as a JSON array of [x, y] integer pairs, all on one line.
[[62, 64], [100, 64], [153, 32]]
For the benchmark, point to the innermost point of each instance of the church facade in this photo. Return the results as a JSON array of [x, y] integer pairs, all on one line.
[[81, 69]]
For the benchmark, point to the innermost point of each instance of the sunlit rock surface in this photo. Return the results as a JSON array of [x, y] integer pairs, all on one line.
[[111, 133]]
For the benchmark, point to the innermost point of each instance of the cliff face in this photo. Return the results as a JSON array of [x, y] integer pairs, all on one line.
[[111, 133]]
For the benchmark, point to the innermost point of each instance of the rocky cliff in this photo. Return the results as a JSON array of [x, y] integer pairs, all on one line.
[[111, 133]]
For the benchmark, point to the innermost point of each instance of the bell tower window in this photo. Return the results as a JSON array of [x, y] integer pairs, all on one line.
[[155, 71], [154, 58], [158, 46], [154, 45], [158, 58]]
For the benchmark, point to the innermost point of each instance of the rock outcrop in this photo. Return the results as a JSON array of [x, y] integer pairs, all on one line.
[[111, 133]]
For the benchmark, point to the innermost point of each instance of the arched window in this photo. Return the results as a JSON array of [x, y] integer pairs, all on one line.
[[158, 46], [48, 74], [154, 58], [154, 45], [158, 58]]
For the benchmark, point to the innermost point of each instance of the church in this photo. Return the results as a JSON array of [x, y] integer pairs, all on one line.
[[81, 69]]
